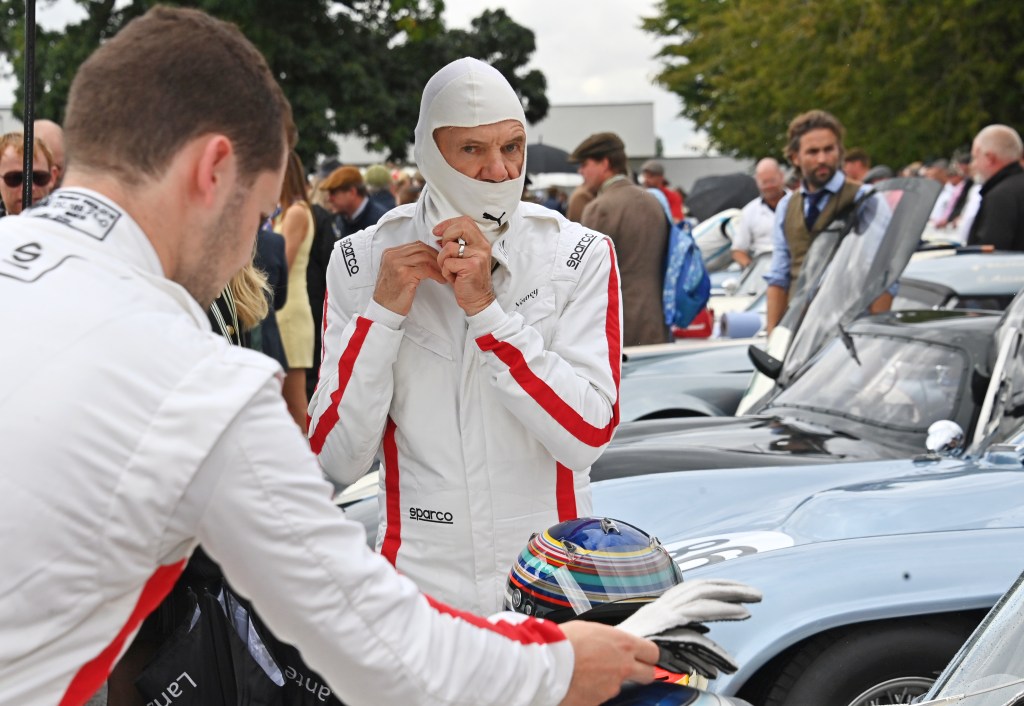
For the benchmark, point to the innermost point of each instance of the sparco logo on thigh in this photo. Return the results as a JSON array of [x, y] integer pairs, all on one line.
[[444, 518]]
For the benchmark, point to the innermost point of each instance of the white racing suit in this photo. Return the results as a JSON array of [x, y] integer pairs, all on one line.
[[130, 432], [486, 425]]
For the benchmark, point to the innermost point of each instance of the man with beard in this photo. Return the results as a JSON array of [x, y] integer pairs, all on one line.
[[131, 432], [473, 343], [815, 148]]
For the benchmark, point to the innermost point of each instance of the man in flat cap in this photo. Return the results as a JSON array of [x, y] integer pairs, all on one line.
[[638, 226], [472, 343], [348, 197]]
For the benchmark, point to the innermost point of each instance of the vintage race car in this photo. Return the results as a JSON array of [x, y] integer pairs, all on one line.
[[873, 573]]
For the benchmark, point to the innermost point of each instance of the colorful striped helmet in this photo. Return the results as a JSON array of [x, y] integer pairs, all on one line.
[[579, 564]]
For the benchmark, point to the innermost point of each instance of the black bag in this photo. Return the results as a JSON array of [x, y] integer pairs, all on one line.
[[216, 658], [302, 686]]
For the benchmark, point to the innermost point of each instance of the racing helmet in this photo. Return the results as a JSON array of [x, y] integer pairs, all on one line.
[[599, 566]]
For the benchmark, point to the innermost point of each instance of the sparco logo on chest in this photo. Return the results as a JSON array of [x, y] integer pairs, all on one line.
[[349, 253], [444, 518], [581, 247]]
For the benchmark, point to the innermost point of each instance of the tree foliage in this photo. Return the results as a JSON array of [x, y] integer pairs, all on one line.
[[348, 67], [909, 80]]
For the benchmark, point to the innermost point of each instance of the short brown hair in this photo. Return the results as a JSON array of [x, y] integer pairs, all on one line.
[[294, 188], [813, 120], [856, 154], [168, 77]]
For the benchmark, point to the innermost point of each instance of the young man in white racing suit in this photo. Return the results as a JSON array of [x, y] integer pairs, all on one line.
[[131, 432], [472, 341]]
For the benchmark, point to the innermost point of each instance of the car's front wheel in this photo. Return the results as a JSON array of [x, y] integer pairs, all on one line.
[[869, 665]]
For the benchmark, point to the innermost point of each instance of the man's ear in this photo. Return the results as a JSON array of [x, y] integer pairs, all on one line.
[[215, 169]]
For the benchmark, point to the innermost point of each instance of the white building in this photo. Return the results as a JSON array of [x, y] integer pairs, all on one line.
[[8, 123]]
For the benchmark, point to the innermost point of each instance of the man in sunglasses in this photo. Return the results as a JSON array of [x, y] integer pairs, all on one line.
[[12, 151]]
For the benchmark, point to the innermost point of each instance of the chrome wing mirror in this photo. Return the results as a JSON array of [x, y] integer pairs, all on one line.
[[945, 438]]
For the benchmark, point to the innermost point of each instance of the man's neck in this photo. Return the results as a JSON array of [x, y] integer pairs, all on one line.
[[358, 210]]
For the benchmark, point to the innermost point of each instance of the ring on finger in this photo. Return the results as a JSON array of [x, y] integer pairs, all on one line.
[[462, 247]]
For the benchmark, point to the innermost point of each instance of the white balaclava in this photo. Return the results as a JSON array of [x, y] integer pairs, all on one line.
[[466, 93]]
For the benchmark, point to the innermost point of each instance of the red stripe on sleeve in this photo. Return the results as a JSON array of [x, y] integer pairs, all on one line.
[[91, 676], [346, 363], [547, 398], [565, 494], [612, 329], [529, 632], [393, 532], [323, 328]]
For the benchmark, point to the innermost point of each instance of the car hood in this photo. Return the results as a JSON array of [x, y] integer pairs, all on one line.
[[704, 517], [678, 359], [662, 446]]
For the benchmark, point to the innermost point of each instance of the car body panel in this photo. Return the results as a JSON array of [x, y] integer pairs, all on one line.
[[834, 545], [653, 382]]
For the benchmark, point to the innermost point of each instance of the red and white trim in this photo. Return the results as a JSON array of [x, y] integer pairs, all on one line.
[[547, 398], [346, 363]]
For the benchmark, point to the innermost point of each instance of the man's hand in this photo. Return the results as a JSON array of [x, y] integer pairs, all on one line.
[[605, 658], [469, 275], [741, 257], [401, 270]]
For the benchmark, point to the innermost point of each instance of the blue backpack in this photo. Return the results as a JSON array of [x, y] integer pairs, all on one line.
[[687, 285]]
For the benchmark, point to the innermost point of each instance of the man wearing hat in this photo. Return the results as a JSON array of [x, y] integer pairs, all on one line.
[[638, 226], [347, 197], [652, 174], [472, 343]]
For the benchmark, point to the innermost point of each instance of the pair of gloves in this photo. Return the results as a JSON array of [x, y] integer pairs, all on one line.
[[675, 622]]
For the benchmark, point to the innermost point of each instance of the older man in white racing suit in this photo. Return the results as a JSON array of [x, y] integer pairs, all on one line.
[[130, 432], [472, 341]]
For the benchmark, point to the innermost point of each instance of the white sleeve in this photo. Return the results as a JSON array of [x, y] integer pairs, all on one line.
[[365, 629], [743, 236], [349, 409], [567, 394]]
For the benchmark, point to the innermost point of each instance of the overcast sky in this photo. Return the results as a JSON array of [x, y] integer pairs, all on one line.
[[591, 51]]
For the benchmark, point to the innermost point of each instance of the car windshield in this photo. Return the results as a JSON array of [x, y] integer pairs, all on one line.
[[990, 670], [885, 381]]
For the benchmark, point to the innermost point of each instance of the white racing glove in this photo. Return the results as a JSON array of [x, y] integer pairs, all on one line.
[[676, 620]]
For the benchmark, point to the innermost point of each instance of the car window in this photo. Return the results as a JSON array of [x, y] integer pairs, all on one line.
[[891, 382], [911, 296]]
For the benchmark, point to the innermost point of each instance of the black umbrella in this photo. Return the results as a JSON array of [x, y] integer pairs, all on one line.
[[545, 159], [713, 194]]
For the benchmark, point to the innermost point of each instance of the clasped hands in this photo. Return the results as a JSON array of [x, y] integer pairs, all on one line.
[[403, 267]]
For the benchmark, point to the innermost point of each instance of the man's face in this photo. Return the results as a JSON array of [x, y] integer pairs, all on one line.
[[651, 180], [771, 183], [227, 243], [492, 153], [594, 172], [344, 201], [818, 157], [855, 169], [11, 164], [983, 164]]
